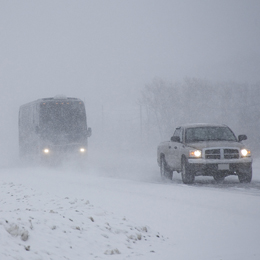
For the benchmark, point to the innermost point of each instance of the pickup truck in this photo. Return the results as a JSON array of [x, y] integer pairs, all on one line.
[[207, 150]]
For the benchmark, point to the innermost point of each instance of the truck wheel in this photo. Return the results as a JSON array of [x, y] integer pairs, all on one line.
[[187, 175], [245, 176], [165, 172]]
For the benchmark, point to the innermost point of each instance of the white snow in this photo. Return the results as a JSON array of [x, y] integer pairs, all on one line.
[[119, 208]]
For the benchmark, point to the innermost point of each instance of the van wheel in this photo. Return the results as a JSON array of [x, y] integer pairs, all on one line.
[[187, 175], [164, 170]]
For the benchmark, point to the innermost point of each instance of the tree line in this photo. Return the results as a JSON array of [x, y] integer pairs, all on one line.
[[166, 105]]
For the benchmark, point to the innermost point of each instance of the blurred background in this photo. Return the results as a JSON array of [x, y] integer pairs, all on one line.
[[108, 53]]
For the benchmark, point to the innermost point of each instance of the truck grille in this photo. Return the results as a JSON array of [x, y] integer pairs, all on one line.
[[222, 153], [231, 154], [212, 154]]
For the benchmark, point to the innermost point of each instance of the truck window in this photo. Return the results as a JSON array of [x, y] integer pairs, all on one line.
[[199, 134], [177, 133]]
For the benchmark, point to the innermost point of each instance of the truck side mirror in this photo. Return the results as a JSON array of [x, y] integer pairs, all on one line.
[[242, 137], [89, 132], [175, 139]]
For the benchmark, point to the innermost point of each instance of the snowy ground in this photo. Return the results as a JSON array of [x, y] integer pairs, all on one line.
[[119, 208]]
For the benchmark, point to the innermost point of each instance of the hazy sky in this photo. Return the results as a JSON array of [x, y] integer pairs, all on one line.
[[105, 51]]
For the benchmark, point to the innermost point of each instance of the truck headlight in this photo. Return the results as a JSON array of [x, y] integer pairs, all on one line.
[[82, 150], [195, 153], [245, 153]]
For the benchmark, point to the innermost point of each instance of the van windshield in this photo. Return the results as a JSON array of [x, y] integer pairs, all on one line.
[[199, 134], [58, 118]]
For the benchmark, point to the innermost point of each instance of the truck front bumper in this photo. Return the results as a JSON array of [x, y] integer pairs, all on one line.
[[228, 167], [220, 161]]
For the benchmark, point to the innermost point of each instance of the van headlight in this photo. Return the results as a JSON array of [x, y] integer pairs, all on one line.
[[195, 153], [245, 153], [46, 150], [82, 150]]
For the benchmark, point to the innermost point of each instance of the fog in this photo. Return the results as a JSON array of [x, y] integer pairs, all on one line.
[[104, 52]]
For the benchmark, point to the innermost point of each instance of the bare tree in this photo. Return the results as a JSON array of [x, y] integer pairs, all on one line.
[[168, 105]]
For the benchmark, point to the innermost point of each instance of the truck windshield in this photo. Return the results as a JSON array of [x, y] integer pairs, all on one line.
[[200, 134], [58, 118]]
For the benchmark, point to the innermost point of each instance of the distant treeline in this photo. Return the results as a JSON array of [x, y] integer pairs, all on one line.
[[168, 105]]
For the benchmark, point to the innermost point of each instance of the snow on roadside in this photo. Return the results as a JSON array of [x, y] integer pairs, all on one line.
[[35, 225]]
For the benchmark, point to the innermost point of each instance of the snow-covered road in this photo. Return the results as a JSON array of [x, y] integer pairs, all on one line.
[[119, 208]]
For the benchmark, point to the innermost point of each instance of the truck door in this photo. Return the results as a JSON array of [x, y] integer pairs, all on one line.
[[174, 147], [179, 150]]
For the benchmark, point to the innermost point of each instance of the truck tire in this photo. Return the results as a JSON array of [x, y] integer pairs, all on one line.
[[187, 175], [245, 176], [165, 172]]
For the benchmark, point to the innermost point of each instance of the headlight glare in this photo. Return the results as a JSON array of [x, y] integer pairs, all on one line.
[[46, 150], [245, 153], [82, 150], [195, 153]]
